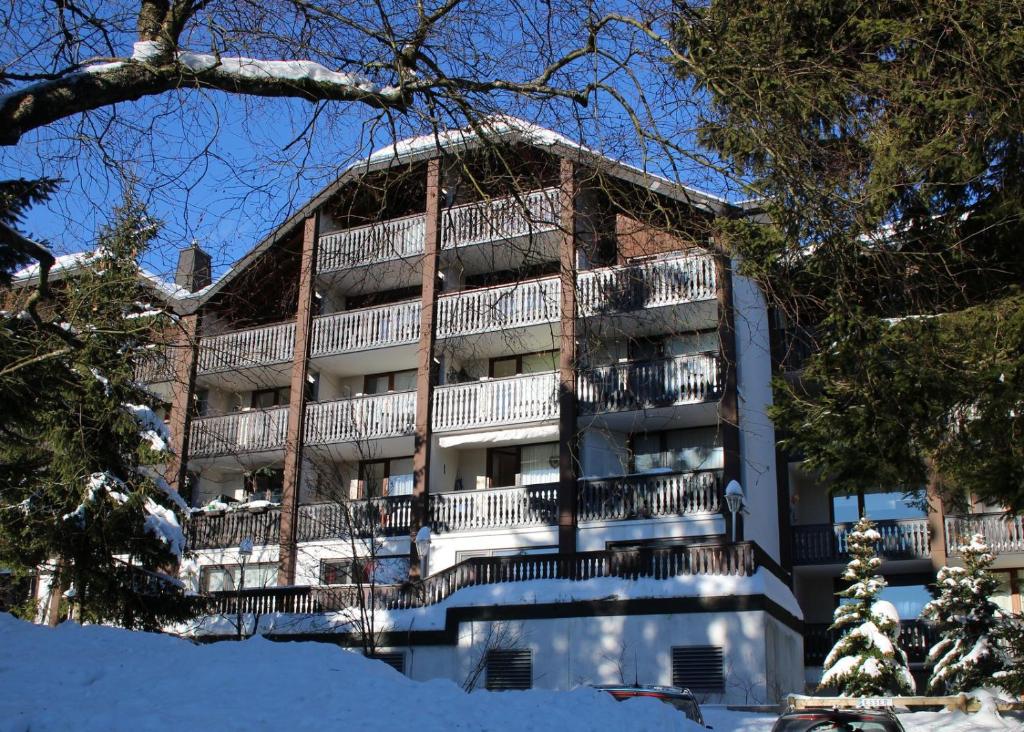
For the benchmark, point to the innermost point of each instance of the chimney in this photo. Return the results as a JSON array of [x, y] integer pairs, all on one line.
[[194, 271]]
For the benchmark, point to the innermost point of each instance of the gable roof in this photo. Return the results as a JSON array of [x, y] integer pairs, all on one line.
[[496, 128]]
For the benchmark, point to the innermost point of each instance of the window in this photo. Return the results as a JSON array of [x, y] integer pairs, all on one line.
[[524, 363], [509, 669], [225, 578], [879, 506], [510, 552], [200, 403], [391, 381], [390, 570], [266, 484], [677, 450], [389, 477], [511, 465], [267, 398], [909, 600], [698, 668]]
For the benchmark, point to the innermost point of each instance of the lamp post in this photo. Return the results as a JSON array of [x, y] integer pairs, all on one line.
[[422, 548], [244, 553], [734, 501]]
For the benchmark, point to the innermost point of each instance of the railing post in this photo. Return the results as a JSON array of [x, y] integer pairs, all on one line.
[[297, 404]]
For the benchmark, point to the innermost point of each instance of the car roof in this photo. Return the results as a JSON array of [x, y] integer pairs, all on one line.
[[645, 689]]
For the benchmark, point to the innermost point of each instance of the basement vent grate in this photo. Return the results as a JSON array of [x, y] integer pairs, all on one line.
[[394, 660], [509, 669], [698, 668]]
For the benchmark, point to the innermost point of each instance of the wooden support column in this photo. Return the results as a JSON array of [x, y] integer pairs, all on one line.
[[728, 407], [292, 487], [426, 368], [184, 355], [936, 523], [567, 442]]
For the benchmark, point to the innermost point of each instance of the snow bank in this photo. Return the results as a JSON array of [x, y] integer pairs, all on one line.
[[105, 679]]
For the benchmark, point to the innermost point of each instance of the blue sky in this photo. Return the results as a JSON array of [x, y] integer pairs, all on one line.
[[225, 170]]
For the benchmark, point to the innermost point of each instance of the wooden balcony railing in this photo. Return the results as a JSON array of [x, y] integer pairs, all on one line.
[[510, 400], [215, 529], [501, 218], [361, 418], [1003, 532], [359, 330], [263, 346], [647, 384], [652, 284], [252, 431], [392, 239], [741, 559], [154, 366], [650, 496], [527, 505], [916, 637], [493, 308], [384, 516], [826, 543], [472, 223]]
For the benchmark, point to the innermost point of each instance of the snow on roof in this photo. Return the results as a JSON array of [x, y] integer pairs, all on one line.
[[69, 263]]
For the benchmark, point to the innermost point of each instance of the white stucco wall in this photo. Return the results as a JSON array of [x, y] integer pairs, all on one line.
[[757, 434]]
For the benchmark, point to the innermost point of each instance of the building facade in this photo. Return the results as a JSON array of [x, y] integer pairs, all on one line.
[[474, 408]]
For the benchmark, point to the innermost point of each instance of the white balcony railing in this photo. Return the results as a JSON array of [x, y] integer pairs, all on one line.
[[506, 306], [361, 418], [471, 223], [241, 349], [511, 400], [1003, 532], [647, 384], [253, 431], [357, 330], [648, 285], [392, 239], [500, 219]]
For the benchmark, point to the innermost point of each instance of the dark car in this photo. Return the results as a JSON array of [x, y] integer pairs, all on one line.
[[681, 699], [837, 720]]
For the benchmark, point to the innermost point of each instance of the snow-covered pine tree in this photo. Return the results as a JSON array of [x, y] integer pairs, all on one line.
[[967, 656], [76, 436], [866, 660]]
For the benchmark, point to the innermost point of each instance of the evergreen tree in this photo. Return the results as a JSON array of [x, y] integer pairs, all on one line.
[[883, 143], [866, 660], [968, 655], [80, 436]]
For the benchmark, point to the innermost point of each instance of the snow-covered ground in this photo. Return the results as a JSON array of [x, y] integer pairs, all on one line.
[[95, 678]]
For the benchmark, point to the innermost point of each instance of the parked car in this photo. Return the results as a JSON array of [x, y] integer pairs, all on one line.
[[838, 720], [681, 699]]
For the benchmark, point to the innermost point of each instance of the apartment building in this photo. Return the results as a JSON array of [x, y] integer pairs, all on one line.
[[492, 388], [475, 407]]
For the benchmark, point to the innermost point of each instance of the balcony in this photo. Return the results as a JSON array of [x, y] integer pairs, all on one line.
[[258, 430], [916, 638], [519, 305], [241, 349], [495, 508], [826, 543], [1004, 533], [496, 402], [612, 499], [647, 285], [360, 330], [657, 495], [361, 418], [500, 219], [649, 384], [741, 559]]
